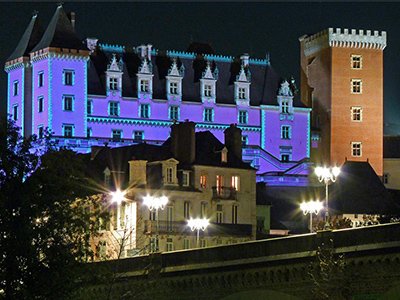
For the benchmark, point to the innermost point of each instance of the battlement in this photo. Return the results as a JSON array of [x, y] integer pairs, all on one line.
[[348, 38]]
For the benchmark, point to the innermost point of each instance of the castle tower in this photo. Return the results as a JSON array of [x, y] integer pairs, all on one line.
[[342, 81]]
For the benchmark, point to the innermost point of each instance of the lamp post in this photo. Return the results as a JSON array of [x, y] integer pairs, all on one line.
[[198, 224], [155, 203], [310, 208], [327, 175], [117, 197]]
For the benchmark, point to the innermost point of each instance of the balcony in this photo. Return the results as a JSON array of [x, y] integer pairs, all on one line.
[[181, 227], [224, 193]]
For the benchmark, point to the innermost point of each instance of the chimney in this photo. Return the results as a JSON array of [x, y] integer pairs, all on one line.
[[233, 140], [137, 172], [149, 51], [245, 59], [183, 141]]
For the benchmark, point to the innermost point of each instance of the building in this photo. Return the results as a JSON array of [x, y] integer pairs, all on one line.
[[200, 176], [342, 81], [87, 94]]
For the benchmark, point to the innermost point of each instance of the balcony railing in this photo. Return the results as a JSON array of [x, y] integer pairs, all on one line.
[[224, 193], [181, 227]]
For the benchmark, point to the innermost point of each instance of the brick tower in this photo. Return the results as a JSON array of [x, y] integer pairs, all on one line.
[[342, 81]]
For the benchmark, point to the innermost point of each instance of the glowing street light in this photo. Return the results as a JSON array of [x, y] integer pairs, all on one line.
[[198, 224], [311, 207], [327, 175], [118, 196], [154, 204]]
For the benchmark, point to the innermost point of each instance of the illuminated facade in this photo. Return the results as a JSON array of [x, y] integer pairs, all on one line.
[[88, 94]]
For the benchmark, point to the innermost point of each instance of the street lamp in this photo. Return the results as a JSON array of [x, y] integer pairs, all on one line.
[[155, 203], [198, 224], [327, 175], [310, 208], [118, 196]]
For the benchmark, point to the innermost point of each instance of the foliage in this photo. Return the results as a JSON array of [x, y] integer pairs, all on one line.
[[334, 222], [329, 275], [47, 216]]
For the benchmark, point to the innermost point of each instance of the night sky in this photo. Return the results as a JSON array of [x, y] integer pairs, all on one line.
[[232, 28]]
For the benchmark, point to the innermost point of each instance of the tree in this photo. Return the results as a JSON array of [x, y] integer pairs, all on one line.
[[48, 213]]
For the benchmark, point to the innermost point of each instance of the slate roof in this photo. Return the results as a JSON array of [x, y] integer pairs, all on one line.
[[29, 40], [391, 146]]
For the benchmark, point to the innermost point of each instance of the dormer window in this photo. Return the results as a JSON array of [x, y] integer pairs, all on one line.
[[285, 107], [285, 101], [114, 74], [174, 80], [113, 83], [208, 84], [173, 88], [207, 90], [144, 86], [185, 178], [242, 84], [224, 155], [145, 78], [242, 93]]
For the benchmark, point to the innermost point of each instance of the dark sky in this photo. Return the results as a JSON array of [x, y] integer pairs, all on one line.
[[232, 28]]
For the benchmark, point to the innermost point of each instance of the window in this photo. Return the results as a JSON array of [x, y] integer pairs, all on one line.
[[138, 135], [40, 132], [242, 117], [113, 108], [153, 215], [203, 181], [245, 140], [173, 88], [234, 214], [40, 104], [169, 175], [285, 107], [220, 214], [15, 88], [208, 114], [174, 112], [68, 77], [356, 86], [68, 130], [117, 134], [242, 93], [144, 111], [185, 178], [207, 90], [356, 149], [144, 86], [203, 210], [235, 182], [356, 114], [15, 112], [68, 103], [113, 83], [186, 244], [153, 245], [219, 184], [170, 244], [203, 243], [224, 155], [285, 157], [88, 132], [385, 178], [285, 132], [40, 79], [89, 107], [356, 61], [186, 210]]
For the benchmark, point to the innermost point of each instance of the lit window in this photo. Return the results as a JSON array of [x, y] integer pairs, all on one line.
[[15, 112], [285, 157], [88, 132], [113, 108], [89, 107], [40, 79], [356, 86], [68, 77], [186, 244], [174, 112], [203, 210], [242, 93], [356, 61], [235, 182], [207, 90], [116, 134], [220, 214], [356, 114], [356, 149], [68, 130], [185, 179], [224, 155], [68, 103], [113, 83], [15, 88], [220, 184], [285, 107], [170, 244], [138, 135], [144, 110], [169, 175], [243, 117], [203, 181], [285, 132], [144, 86], [40, 132], [173, 88], [234, 214], [40, 104], [208, 114], [186, 210]]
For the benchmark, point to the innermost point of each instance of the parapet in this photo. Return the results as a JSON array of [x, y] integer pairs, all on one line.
[[347, 39]]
